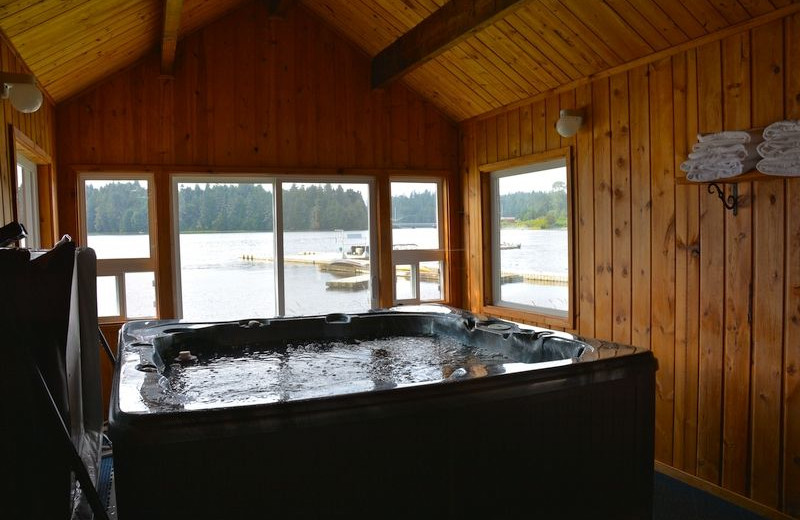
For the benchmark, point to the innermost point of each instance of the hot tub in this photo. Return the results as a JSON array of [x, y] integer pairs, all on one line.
[[387, 414]]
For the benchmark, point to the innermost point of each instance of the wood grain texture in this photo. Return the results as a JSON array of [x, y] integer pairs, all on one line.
[[603, 232], [621, 210], [37, 131], [663, 252], [446, 27], [300, 103], [712, 278], [738, 276], [790, 447], [769, 278], [715, 296]]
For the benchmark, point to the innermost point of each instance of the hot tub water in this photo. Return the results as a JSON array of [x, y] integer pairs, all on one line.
[[256, 374]]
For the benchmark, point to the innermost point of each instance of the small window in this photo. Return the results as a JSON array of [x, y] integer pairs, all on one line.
[[28, 201], [530, 238], [117, 222], [417, 254]]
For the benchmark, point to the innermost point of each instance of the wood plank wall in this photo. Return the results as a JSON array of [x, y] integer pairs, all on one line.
[[716, 296], [252, 91], [251, 94], [38, 127]]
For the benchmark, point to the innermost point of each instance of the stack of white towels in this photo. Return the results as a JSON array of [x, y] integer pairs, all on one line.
[[780, 149], [722, 154]]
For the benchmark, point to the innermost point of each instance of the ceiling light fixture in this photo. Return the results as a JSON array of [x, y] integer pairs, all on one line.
[[21, 90], [569, 121]]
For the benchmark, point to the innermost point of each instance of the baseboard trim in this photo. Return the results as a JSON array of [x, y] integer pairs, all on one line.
[[729, 496]]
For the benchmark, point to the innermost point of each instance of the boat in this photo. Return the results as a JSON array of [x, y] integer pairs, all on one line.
[[357, 251]]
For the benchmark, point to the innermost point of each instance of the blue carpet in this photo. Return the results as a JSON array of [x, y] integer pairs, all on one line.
[[105, 479], [673, 500]]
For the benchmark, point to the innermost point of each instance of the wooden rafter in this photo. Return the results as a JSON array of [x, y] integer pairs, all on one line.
[[169, 35], [278, 8], [449, 25]]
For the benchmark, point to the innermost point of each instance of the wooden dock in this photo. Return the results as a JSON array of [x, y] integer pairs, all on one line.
[[351, 283], [359, 268]]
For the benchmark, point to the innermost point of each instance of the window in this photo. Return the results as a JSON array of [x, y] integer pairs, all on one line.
[[117, 222], [530, 238], [28, 201], [327, 265], [261, 247], [225, 253], [417, 257]]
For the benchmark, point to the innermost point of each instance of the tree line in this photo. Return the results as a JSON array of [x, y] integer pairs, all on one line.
[[536, 209], [121, 207]]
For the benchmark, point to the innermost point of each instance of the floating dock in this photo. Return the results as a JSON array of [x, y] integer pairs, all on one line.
[[359, 269], [351, 283]]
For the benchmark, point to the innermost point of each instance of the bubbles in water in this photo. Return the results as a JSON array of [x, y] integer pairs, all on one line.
[[263, 374]]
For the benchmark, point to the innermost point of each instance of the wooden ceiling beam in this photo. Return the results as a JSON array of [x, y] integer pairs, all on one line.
[[278, 8], [446, 27], [169, 35]]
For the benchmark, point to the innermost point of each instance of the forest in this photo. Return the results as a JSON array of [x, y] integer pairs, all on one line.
[[121, 208], [536, 209]]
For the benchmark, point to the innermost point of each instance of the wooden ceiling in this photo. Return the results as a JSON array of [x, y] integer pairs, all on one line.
[[71, 44], [527, 48], [540, 46]]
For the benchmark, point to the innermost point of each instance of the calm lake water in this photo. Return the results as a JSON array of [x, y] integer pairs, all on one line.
[[216, 283]]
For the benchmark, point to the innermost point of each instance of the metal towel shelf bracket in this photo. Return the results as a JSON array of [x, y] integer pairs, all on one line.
[[730, 202]]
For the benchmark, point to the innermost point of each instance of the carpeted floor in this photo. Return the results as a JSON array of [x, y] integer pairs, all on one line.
[[672, 499]]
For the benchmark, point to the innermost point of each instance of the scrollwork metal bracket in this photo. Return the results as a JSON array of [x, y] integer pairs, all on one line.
[[730, 202]]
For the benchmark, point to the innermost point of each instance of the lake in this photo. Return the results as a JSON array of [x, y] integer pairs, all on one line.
[[216, 283]]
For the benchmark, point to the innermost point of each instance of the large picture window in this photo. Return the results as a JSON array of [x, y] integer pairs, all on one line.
[[251, 247], [117, 215], [530, 239]]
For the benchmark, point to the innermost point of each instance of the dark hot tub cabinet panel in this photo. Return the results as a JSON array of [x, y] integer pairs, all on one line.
[[530, 423]]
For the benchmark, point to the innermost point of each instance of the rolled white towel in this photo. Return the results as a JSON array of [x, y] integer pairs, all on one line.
[[781, 128], [724, 152], [732, 137], [785, 165], [779, 147], [705, 171]]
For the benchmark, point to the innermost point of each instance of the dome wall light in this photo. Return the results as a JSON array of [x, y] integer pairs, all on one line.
[[22, 91], [569, 121]]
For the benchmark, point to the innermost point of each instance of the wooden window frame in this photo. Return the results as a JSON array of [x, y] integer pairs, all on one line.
[[413, 257], [119, 267], [21, 144], [520, 313], [277, 180]]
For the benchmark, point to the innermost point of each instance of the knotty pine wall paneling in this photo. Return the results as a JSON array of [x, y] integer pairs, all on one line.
[[662, 265], [252, 93], [38, 127]]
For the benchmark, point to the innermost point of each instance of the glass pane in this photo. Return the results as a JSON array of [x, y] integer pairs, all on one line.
[[117, 218], [107, 296], [415, 215], [140, 295], [430, 281], [533, 243], [326, 248], [226, 250], [404, 287], [28, 202]]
